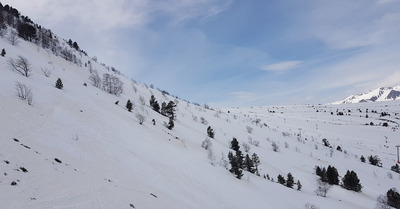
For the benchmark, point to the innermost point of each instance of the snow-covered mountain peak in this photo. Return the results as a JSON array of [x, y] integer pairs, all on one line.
[[376, 95]]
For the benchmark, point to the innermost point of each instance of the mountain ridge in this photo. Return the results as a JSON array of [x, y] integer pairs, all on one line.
[[376, 95]]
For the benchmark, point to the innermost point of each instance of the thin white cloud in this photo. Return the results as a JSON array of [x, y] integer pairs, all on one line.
[[282, 66]]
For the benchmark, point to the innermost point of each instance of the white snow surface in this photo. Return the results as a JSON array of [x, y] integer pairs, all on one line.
[[109, 160]]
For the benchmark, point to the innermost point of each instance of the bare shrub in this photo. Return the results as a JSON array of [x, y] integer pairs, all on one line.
[[46, 72], [249, 129], [24, 92], [310, 206], [112, 84], [254, 142], [203, 121], [95, 79], [206, 144], [141, 118], [21, 65], [275, 147], [246, 147], [322, 188], [286, 145], [381, 202], [142, 101], [13, 38]]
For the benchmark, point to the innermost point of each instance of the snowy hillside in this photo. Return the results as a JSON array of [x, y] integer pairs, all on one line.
[[377, 95], [76, 148]]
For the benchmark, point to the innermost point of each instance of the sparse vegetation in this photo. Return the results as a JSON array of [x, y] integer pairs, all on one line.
[[20, 65], [24, 92]]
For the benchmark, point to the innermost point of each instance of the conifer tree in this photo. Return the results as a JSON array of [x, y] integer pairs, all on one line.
[[332, 175], [281, 179], [248, 163], [129, 105], [3, 52], [154, 104], [393, 198], [299, 186], [351, 181], [235, 144], [171, 124], [235, 165], [210, 132], [290, 180], [256, 162], [59, 84]]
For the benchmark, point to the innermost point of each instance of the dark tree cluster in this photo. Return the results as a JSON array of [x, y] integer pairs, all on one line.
[[329, 175], [351, 181], [154, 104], [29, 31], [374, 160], [393, 198], [395, 168], [289, 181], [239, 163]]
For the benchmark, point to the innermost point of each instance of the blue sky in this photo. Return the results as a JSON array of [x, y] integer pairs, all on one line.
[[237, 53]]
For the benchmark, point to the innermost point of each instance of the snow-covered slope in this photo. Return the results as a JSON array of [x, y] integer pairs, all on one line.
[[377, 95], [75, 148]]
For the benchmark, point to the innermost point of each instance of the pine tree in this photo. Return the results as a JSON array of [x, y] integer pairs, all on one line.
[[59, 84], [210, 132], [290, 180], [248, 162], [299, 186], [129, 105], [171, 124], [3, 52], [281, 179], [256, 162], [332, 175], [235, 144], [235, 167], [393, 198], [351, 181], [154, 104], [362, 158]]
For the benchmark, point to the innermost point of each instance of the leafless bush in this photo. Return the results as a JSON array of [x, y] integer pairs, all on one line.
[[249, 129], [275, 147], [24, 92], [112, 84], [13, 38], [246, 147], [381, 202], [286, 145], [46, 72], [203, 121], [206, 144], [322, 188], [142, 101], [141, 118], [21, 65], [310, 206], [254, 142], [95, 79]]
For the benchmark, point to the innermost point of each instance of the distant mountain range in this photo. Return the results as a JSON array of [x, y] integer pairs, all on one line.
[[376, 95]]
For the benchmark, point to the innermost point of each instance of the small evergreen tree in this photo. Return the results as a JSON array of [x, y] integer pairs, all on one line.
[[351, 181], [393, 198], [210, 132], [256, 162], [290, 180], [3, 52], [129, 105], [248, 163], [154, 104], [299, 186], [332, 175], [171, 124], [235, 165], [362, 159], [59, 84], [281, 179], [374, 160], [235, 144]]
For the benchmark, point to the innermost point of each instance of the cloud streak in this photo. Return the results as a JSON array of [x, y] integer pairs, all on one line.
[[282, 66]]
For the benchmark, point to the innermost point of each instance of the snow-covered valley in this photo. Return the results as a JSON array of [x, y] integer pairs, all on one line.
[[75, 148]]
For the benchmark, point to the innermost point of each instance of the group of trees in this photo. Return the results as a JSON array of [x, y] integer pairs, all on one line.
[[239, 162], [110, 83], [167, 110], [289, 181], [330, 176], [18, 26]]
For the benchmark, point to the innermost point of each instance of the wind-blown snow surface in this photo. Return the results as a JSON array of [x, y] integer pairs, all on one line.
[[110, 161]]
